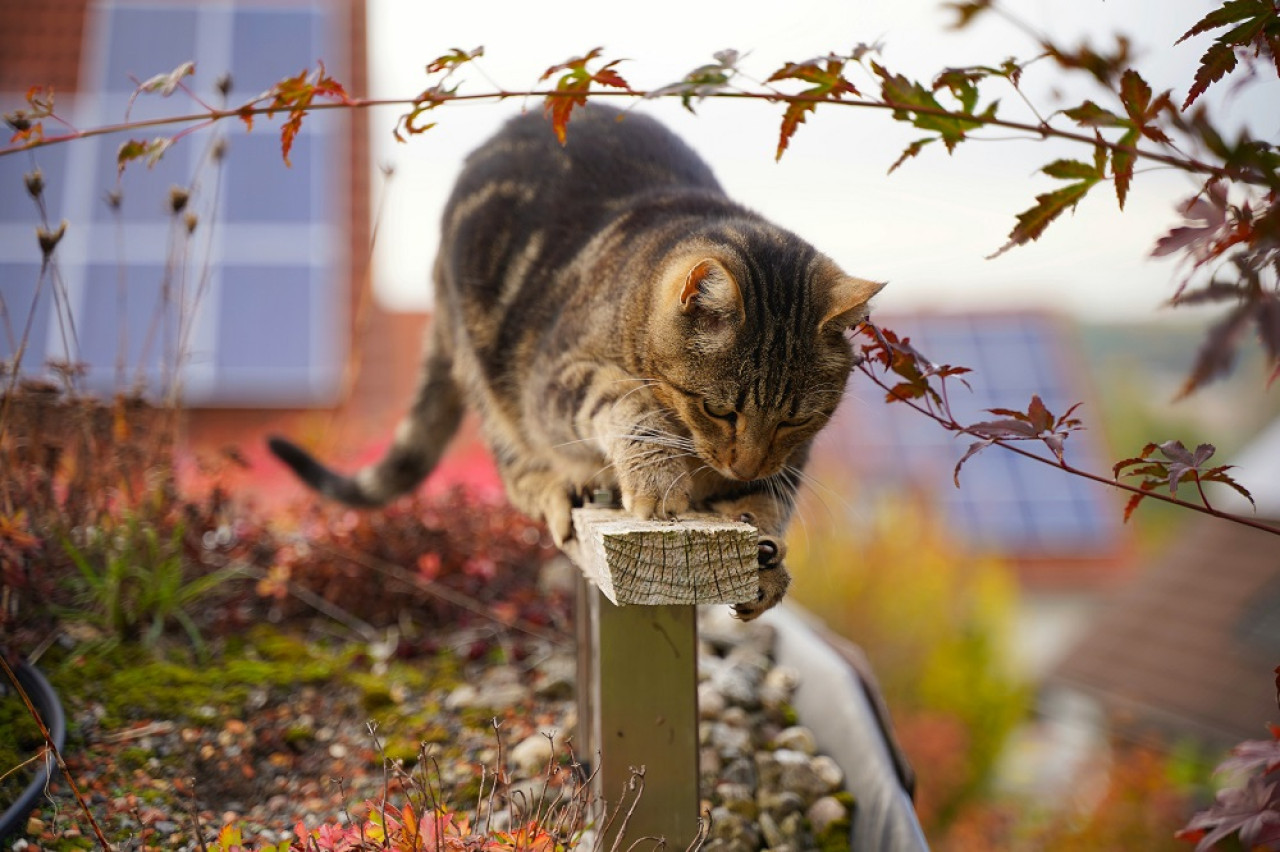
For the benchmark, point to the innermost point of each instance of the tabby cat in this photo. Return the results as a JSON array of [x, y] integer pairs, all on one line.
[[619, 323]]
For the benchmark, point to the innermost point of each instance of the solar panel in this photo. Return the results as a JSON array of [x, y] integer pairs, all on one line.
[[1005, 502], [251, 306]]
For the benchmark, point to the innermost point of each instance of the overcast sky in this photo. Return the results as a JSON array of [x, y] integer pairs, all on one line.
[[926, 229]]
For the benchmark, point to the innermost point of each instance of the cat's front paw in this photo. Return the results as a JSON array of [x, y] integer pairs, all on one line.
[[557, 513], [655, 498], [774, 580]]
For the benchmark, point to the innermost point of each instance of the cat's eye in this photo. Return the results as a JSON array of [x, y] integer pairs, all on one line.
[[718, 411], [795, 422]]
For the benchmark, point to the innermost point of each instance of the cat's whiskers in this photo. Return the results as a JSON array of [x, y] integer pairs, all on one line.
[[820, 488]]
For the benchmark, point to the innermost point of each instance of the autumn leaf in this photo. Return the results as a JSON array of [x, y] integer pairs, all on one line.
[[453, 60], [1206, 223], [167, 84], [967, 11], [135, 149], [1257, 27], [825, 74], [1178, 465], [436, 94], [916, 372], [1142, 107], [1089, 114], [1037, 423], [912, 150], [573, 86], [1049, 206], [1102, 66], [1217, 353], [27, 124], [1122, 160], [918, 105], [703, 81], [295, 96]]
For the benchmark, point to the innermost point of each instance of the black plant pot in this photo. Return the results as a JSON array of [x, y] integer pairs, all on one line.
[[13, 820]]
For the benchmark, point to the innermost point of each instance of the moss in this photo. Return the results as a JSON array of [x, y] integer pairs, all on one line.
[[19, 740], [135, 684], [835, 837], [299, 735], [375, 695], [133, 757], [403, 751]]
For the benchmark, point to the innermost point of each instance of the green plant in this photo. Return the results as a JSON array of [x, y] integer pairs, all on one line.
[[135, 582]]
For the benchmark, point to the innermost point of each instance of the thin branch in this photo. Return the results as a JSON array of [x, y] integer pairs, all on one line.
[[1187, 164], [951, 425]]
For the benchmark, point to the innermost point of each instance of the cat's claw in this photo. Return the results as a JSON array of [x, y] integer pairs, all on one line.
[[772, 551], [774, 581], [646, 507], [557, 513]]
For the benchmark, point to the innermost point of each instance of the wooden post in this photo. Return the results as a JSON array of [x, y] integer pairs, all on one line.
[[638, 653]]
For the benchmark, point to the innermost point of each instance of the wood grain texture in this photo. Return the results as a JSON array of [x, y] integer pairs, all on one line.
[[698, 559]]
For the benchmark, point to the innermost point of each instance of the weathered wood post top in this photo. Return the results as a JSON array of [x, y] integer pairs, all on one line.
[[698, 559]]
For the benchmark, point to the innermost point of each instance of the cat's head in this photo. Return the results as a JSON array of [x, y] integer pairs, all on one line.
[[748, 340]]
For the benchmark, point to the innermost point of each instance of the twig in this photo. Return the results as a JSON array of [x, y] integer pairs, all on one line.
[[57, 755]]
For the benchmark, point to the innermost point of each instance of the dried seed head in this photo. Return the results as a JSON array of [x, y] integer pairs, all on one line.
[[178, 198], [34, 180], [49, 241], [219, 149], [223, 84], [191, 220], [17, 120], [114, 198]]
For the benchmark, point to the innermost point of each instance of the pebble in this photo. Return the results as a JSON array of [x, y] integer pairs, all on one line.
[[769, 788], [796, 738], [825, 812], [531, 755]]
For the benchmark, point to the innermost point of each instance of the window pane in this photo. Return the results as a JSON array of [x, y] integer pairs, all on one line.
[[265, 317], [145, 41], [261, 188], [17, 289], [269, 45]]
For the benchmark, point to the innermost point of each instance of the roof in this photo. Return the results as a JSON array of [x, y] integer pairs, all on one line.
[[1189, 648]]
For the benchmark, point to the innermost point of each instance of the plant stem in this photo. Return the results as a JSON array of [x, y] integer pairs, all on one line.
[[57, 755]]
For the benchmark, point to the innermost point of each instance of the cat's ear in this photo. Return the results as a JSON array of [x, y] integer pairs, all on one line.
[[709, 287], [847, 301]]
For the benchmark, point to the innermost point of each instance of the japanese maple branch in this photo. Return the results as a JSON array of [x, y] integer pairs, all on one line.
[[951, 425], [1042, 130]]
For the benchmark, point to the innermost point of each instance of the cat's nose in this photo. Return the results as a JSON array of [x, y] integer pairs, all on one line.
[[747, 466]]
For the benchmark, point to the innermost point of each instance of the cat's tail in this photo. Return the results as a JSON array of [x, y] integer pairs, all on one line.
[[419, 442]]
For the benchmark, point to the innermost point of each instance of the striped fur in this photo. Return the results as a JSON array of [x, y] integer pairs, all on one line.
[[618, 322]]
